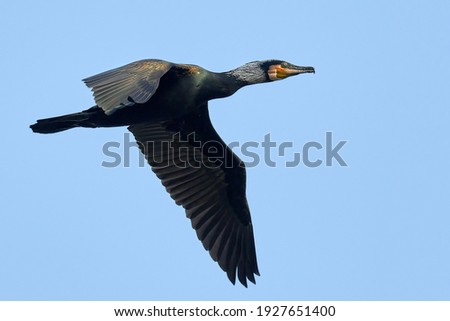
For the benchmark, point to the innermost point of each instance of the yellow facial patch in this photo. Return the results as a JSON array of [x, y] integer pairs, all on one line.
[[276, 72]]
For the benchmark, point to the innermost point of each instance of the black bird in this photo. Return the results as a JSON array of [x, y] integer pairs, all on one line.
[[165, 106]]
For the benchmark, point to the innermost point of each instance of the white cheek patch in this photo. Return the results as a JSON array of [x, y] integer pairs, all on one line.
[[273, 72]]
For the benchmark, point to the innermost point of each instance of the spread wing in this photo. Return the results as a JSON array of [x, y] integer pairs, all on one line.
[[205, 177], [126, 85]]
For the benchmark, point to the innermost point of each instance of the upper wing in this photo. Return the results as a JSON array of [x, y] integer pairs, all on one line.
[[123, 86], [204, 176]]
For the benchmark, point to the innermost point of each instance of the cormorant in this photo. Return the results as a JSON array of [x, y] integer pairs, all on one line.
[[165, 106]]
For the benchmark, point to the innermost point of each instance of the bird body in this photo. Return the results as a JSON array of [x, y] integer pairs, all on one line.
[[165, 106]]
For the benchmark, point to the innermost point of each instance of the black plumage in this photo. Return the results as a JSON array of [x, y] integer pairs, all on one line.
[[165, 106]]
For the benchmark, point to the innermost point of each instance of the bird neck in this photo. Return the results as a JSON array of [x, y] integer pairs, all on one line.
[[249, 74], [224, 84], [220, 85]]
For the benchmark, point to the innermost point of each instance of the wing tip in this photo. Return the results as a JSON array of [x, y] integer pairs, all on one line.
[[242, 277]]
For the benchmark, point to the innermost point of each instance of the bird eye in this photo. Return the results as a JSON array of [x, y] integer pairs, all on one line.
[[284, 64]]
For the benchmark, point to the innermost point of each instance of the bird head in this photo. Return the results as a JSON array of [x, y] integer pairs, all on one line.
[[277, 70], [256, 72]]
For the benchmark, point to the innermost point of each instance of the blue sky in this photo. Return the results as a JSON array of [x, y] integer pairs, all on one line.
[[378, 229]]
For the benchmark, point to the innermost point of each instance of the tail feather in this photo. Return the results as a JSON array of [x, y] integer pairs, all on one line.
[[57, 124], [91, 118]]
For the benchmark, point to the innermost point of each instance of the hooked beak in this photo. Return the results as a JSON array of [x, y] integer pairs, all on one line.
[[292, 70], [277, 72]]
